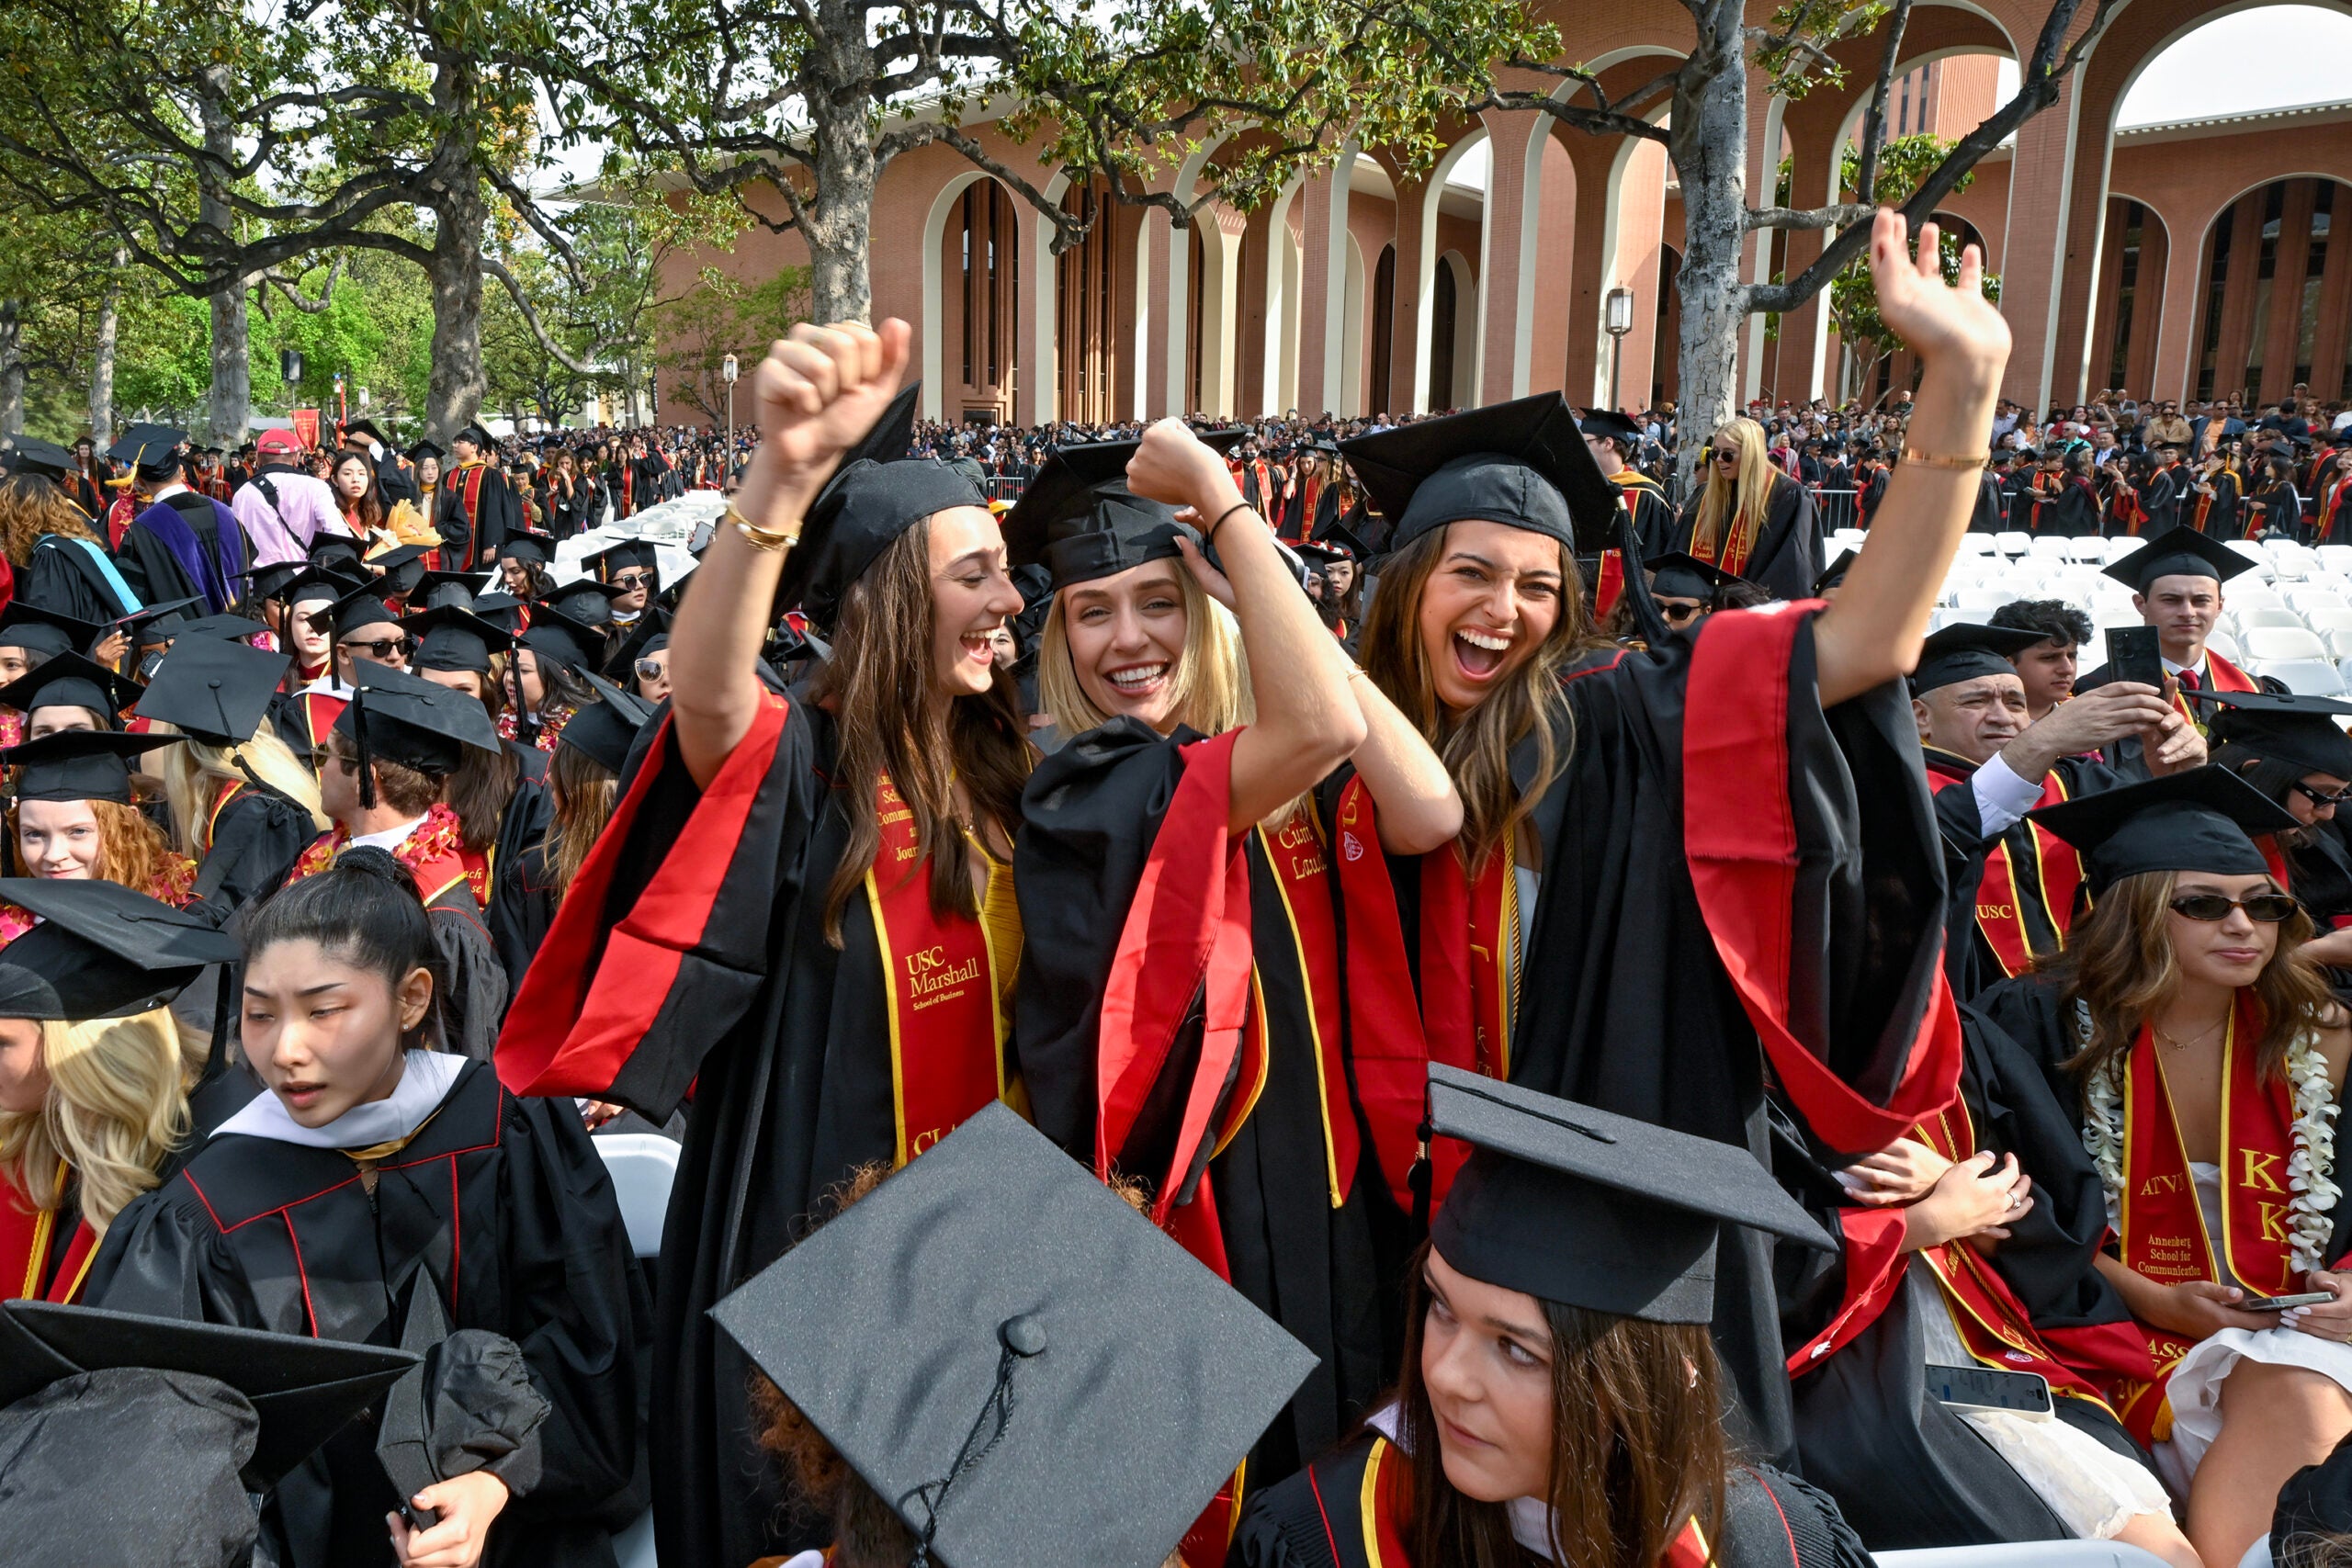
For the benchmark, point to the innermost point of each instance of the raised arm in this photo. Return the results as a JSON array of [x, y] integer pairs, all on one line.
[[815, 395], [1873, 631], [1420, 809]]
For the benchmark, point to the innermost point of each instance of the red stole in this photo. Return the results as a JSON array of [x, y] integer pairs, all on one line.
[[26, 1236], [319, 711], [230, 790], [1301, 874], [2052, 881], [1469, 976], [1737, 544], [2218, 675], [2164, 1234], [1386, 1039], [944, 982]]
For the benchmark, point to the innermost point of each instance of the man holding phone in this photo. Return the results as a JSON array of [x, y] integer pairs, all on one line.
[[2176, 581]]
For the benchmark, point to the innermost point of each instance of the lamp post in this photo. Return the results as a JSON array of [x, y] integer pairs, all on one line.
[[1619, 320], [727, 370]]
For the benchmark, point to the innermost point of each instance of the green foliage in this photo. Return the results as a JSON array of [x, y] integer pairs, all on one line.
[[1904, 162], [716, 316]]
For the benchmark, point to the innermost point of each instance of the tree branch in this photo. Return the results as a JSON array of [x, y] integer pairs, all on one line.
[[1875, 116], [1831, 216], [554, 351]]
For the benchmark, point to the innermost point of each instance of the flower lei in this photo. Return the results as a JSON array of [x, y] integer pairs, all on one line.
[[437, 837], [2310, 1166], [176, 882]]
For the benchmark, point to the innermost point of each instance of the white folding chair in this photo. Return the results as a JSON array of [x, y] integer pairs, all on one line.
[[1976, 603], [2308, 597], [2334, 557], [642, 1165], [2013, 542], [2256, 615], [2090, 550], [2304, 677], [1989, 544], [2226, 644], [2025, 1554], [2270, 645], [2333, 626], [2051, 546], [2243, 594]]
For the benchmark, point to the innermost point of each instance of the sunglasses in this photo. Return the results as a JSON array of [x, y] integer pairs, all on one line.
[[2263, 909], [382, 648], [651, 668], [2316, 798], [1678, 613], [632, 580], [1721, 456]]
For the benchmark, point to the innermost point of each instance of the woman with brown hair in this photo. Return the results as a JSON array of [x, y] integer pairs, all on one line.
[[2205, 1057], [803, 906], [358, 494], [1678, 841], [1750, 518]]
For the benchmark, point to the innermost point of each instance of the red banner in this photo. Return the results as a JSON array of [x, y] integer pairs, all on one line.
[[306, 425]]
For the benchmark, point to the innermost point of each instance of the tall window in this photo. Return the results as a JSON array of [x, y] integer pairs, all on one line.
[[2217, 276], [2128, 277], [1086, 286], [1444, 308], [1383, 325]]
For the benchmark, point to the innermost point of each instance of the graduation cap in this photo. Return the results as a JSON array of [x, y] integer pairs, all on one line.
[[2284, 725], [402, 567], [437, 590], [69, 680], [523, 545], [366, 427], [361, 607], [1522, 463], [1078, 518], [1966, 650], [604, 729], [587, 600], [2178, 552], [650, 635], [101, 950], [46, 459], [423, 449], [29, 626], [213, 689], [556, 635], [1834, 574], [80, 764], [338, 551], [1337, 541], [1680, 576], [407, 720], [476, 435], [465, 1401], [150, 450], [222, 628], [452, 638], [1614, 427], [159, 624], [875, 495], [320, 585], [798, 644], [2204, 819], [1594, 1210], [301, 1390], [1139, 1378], [501, 609], [628, 554], [269, 581]]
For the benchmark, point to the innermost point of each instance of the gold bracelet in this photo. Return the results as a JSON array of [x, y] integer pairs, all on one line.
[[760, 540], [1963, 463]]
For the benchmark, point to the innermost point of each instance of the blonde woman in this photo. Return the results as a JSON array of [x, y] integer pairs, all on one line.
[[1750, 518], [94, 1075]]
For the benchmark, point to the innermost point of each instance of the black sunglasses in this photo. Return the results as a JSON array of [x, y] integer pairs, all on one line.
[[1681, 612], [2264, 908], [2316, 798], [382, 648], [1721, 455]]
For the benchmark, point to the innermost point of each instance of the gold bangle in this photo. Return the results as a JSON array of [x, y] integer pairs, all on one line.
[[1962, 463], [760, 540]]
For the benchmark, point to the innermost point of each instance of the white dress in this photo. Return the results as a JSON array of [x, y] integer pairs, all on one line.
[[2196, 1386], [2095, 1491]]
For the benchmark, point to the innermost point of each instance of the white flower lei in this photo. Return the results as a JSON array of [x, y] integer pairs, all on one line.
[[2311, 1165]]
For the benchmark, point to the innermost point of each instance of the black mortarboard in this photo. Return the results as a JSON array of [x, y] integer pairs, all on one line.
[[793, 644], [604, 729], [452, 638], [361, 607], [536, 549], [585, 600], [875, 495], [1680, 576], [1076, 517], [1522, 463], [366, 427], [423, 449], [2282, 725], [2204, 819], [26, 625], [213, 689], [407, 720], [158, 624], [437, 590], [1594, 1210], [629, 553], [339, 551], [80, 764], [650, 632], [556, 635], [303, 1390], [475, 434], [31, 454], [318, 584], [220, 628], [1018, 1364], [101, 951], [71, 681], [1338, 541], [269, 581], [152, 450], [402, 567], [2178, 552], [1834, 574], [501, 609], [1614, 427], [1965, 650]]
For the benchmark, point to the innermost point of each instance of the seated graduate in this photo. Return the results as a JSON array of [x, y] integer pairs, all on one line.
[[2204, 1056], [390, 758], [1074, 1392], [1560, 1400], [1951, 1257], [73, 818], [2291, 748], [546, 675], [95, 1076], [243, 806], [633, 567], [494, 1213], [1184, 782], [540, 851], [318, 686], [31, 637], [139, 1442], [750, 923]]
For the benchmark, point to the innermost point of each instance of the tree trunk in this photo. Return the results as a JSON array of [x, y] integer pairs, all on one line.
[[229, 410], [457, 384], [102, 357], [839, 225], [1710, 150], [12, 367]]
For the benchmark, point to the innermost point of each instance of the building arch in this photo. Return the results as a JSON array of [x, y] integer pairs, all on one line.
[[972, 347], [1349, 403], [2239, 342], [1454, 346], [1425, 261], [2135, 251]]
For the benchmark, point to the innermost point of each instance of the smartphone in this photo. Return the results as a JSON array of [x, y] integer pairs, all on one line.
[[2133, 654], [1990, 1388], [2280, 1304]]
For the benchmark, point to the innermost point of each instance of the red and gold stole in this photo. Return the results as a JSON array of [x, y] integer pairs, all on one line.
[[2052, 881], [1386, 1042], [1386, 1506], [2219, 675], [26, 1236], [1736, 545], [434, 852], [1303, 878], [319, 711], [2164, 1234], [1469, 975], [229, 791], [948, 984], [12, 729]]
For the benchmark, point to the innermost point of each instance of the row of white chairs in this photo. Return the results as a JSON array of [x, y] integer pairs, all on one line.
[[2274, 559]]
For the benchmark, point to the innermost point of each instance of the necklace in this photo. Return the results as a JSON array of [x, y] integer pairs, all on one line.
[[2173, 1042]]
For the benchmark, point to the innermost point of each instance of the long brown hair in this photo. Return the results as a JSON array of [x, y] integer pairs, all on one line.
[[896, 721], [1475, 746], [584, 792], [132, 850], [1637, 1443], [2118, 962]]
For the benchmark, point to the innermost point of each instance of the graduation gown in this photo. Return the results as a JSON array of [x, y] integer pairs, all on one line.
[[523, 892], [501, 1207], [2160, 499], [185, 546], [2012, 893], [64, 577], [479, 512], [1782, 557], [1858, 1348], [249, 843], [2219, 515], [2070, 510], [1991, 509], [1348, 1510], [1654, 520], [1284, 1216], [691, 951], [303, 719], [1725, 866]]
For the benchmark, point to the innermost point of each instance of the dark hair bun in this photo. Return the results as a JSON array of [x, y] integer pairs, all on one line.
[[368, 861]]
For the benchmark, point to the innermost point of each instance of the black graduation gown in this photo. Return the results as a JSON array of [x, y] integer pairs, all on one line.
[[728, 987], [503, 1207], [497, 513], [149, 567], [2224, 518], [2160, 498], [256, 839], [1786, 555], [522, 889], [63, 576], [473, 1005], [1969, 957], [1653, 518], [1091, 819], [1863, 1412], [2071, 512], [1991, 509], [1321, 1518]]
